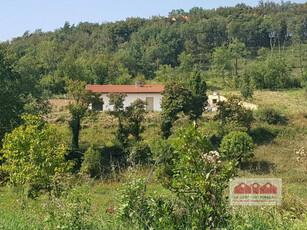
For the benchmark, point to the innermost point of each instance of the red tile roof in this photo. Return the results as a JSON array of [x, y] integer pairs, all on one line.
[[125, 88]]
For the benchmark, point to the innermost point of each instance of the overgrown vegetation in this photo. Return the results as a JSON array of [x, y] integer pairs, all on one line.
[[186, 172], [33, 153]]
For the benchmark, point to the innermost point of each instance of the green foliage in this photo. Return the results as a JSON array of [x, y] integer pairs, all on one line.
[[174, 101], [231, 111], [272, 73], [221, 61], [14, 90], [144, 211], [163, 152], [69, 211], [115, 53], [139, 153], [304, 82], [176, 98], [198, 101], [237, 146], [92, 163], [82, 98], [33, 154], [134, 115], [129, 119], [246, 91], [198, 179], [271, 116], [237, 51]]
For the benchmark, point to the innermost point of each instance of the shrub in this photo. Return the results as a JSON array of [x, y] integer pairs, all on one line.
[[69, 211], [140, 211], [231, 111], [272, 116], [33, 154], [198, 180], [237, 146], [246, 91], [139, 153], [273, 73], [92, 162], [163, 152]]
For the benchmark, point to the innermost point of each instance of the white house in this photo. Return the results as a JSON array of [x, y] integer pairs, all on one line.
[[213, 100], [148, 93], [216, 97]]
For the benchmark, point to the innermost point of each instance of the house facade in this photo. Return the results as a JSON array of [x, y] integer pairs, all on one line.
[[151, 94], [213, 100]]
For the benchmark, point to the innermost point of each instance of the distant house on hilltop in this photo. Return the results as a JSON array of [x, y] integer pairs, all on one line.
[[213, 100], [148, 93]]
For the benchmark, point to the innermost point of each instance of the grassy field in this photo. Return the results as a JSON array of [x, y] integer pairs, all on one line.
[[274, 157]]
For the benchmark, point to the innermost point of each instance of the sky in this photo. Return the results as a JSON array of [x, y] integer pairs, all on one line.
[[19, 16]]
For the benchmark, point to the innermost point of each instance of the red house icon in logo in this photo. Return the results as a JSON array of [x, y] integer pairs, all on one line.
[[242, 189], [268, 188], [255, 188]]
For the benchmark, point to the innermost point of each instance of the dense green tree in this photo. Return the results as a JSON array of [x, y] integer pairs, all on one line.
[[129, 119], [13, 91], [231, 111], [173, 102], [237, 51], [50, 54], [221, 61], [237, 146], [176, 98], [246, 90], [272, 73], [78, 109], [33, 154], [135, 116], [118, 111], [92, 163], [198, 101], [198, 178]]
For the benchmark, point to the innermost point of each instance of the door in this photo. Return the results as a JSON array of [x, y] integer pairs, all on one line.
[[150, 103]]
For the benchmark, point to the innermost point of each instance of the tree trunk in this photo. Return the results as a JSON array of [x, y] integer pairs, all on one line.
[[75, 128]]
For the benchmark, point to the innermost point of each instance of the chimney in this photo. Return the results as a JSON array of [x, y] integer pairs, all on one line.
[[137, 84]]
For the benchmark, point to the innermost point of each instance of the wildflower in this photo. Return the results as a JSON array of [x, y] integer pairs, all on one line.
[[129, 167], [43, 204]]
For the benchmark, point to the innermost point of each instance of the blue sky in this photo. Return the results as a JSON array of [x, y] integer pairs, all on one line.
[[18, 16]]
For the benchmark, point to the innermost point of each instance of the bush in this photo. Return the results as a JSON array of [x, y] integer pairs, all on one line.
[[246, 91], [197, 181], [140, 211], [237, 146], [139, 153], [271, 116], [69, 211], [231, 111], [92, 162], [273, 73], [33, 154]]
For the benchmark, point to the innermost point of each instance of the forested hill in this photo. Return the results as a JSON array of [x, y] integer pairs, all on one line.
[[221, 42]]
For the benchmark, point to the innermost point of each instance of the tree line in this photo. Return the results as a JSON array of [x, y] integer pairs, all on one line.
[[120, 52]]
